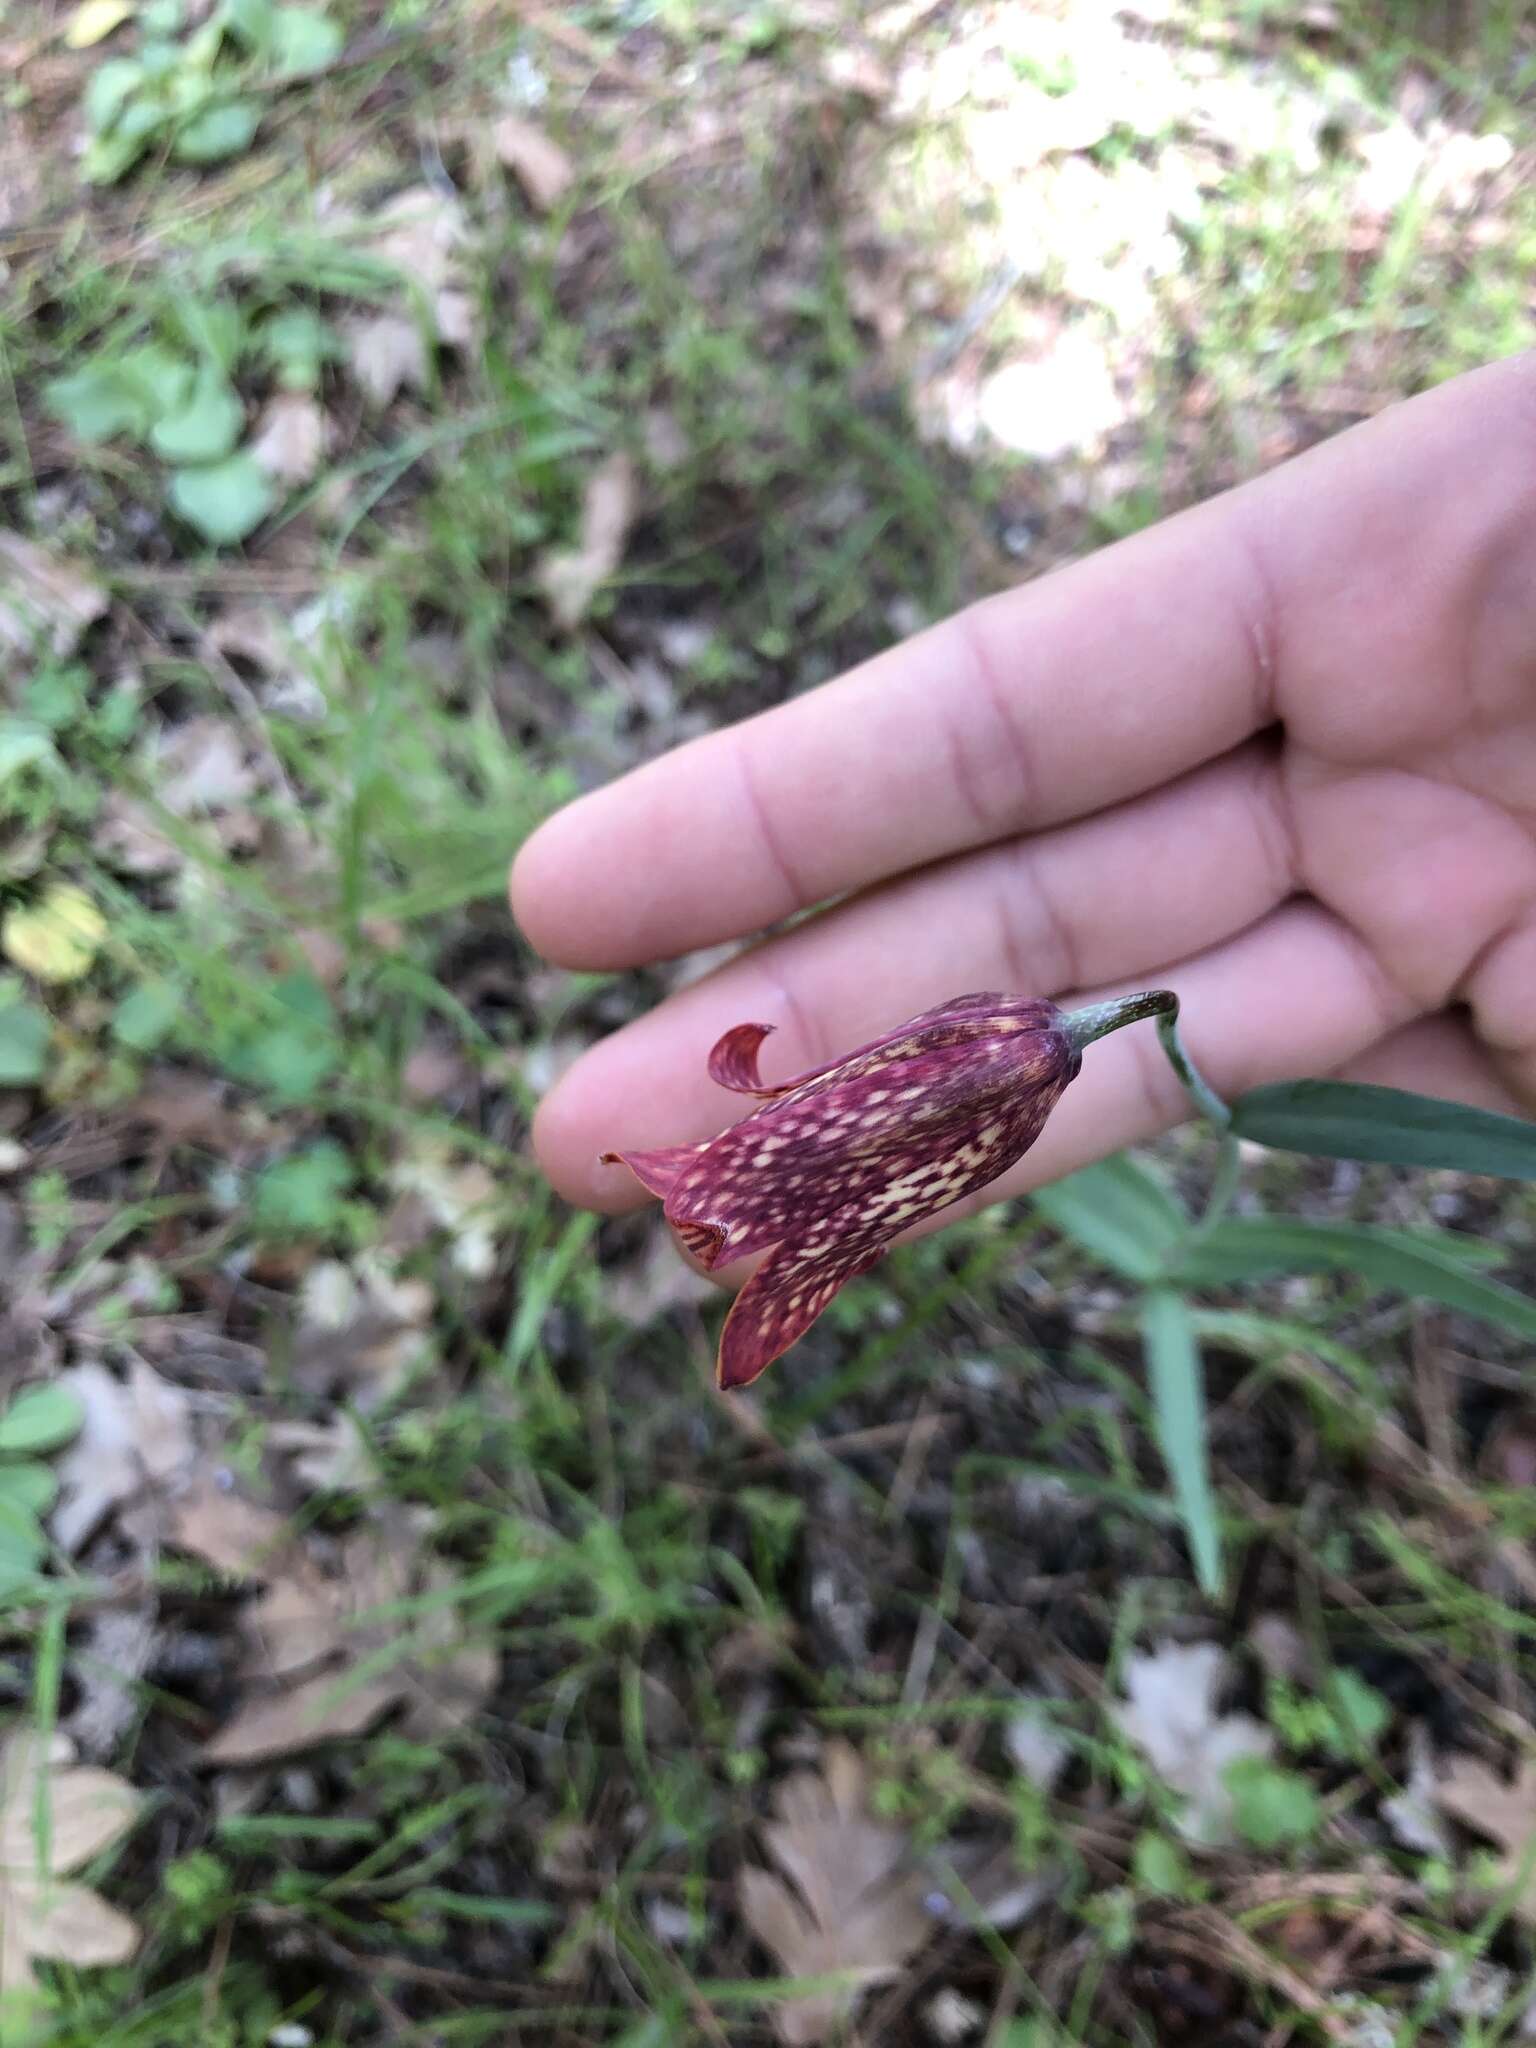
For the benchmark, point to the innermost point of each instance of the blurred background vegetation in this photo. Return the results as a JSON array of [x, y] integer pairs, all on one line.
[[413, 414]]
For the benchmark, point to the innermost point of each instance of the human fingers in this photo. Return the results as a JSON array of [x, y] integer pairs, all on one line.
[[1109, 897], [1053, 701]]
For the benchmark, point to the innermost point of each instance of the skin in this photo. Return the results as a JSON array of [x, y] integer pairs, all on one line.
[[1277, 753]]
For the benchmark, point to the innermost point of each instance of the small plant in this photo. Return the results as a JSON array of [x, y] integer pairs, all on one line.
[[40, 1420], [834, 1164], [175, 394], [193, 94]]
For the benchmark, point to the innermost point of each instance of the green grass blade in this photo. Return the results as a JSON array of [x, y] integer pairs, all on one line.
[[1178, 1407]]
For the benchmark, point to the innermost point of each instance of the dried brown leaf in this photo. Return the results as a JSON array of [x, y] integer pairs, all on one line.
[[305, 1621], [129, 1434], [539, 165], [387, 352], [325, 1708], [200, 767], [290, 437], [1504, 1812], [67, 1923], [1171, 1716], [230, 1533], [127, 837], [856, 1908], [421, 232], [571, 577], [45, 599], [87, 1810]]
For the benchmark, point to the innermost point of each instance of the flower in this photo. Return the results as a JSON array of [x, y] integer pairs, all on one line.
[[836, 1162]]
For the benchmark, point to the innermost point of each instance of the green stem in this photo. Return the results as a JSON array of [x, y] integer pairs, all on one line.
[[1099, 1019]]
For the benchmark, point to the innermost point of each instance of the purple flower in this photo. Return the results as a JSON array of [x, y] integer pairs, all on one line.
[[835, 1163]]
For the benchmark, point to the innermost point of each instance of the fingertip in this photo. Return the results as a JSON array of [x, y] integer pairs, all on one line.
[[537, 890], [575, 1168]]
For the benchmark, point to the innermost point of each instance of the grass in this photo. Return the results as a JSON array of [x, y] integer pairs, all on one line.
[[780, 301]]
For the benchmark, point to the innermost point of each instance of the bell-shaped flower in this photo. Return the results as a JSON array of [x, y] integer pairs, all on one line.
[[835, 1163]]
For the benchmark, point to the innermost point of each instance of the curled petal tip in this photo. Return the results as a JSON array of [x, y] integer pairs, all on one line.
[[733, 1060]]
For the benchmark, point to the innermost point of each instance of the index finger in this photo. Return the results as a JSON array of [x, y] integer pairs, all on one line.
[[1096, 683], [1092, 685]]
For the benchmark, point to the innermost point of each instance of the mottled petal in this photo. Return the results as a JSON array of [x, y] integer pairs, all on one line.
[[656, 1171], [785, 1296], [910, 1139], [836, 1162], [733, 1061]]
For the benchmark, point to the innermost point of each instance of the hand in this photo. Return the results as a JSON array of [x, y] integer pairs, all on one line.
[[1278, 754]]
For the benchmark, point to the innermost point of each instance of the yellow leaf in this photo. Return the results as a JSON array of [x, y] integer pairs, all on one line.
[[94, 20], [55, 939]]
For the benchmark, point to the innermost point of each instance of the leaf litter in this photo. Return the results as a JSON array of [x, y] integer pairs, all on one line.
[[329, 1652], [850, 1902], [56, 1816]]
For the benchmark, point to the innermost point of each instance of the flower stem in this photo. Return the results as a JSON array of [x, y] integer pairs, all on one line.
[[1099, 1019]]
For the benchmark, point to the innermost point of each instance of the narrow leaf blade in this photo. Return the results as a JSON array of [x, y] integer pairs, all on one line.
[[1177, 1383], [1120, 1212], [1254, 1248], [1349, 1120]]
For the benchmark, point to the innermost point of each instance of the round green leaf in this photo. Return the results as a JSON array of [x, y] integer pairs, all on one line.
[[95, 402], [302, 40], [24, 1034], [161, 378], [206, 428], [110, 85], [1271, 1806], [145, 1015], [40, 1419], [251, 21], [29, 1485], [219, 132], [225, 501]]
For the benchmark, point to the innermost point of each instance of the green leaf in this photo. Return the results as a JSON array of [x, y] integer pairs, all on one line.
[[1177, 1384], [1363, 1716], [160, 377], [40, 1419], [144, 1016], [220, 131], [208, 425], [294, 1047], [214, 330], [1120, 1212], [1160, 1865], [1253, 1248], [22, 1541], [110, 87], [24, 1034], [251, 21], [96, 402], [302, 40], [30, 1485], [224, 501], [297, 341], [1347, 1120], [23, 747], [1270, 1805], [302, 1196], [110, 157]]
